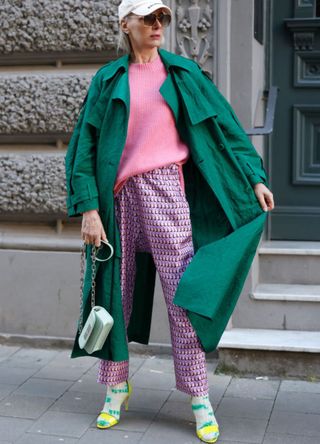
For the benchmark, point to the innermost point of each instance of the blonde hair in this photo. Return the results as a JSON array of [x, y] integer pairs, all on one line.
[[124, 43], [123, 40]]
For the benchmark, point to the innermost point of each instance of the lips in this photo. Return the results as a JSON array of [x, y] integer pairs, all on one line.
[[155, 35]]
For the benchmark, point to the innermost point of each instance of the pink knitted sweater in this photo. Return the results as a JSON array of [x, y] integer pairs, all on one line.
[[152, 138]]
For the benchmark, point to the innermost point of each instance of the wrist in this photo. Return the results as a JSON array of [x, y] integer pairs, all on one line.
[[90, 212]]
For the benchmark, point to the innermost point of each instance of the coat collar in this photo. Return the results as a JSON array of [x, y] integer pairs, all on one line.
[[169, 59], [197, 105]]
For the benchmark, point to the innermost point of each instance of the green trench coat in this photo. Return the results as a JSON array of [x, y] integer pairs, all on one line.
[[227, 219]]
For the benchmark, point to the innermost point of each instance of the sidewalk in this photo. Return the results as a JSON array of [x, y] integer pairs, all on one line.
[[46, 398]]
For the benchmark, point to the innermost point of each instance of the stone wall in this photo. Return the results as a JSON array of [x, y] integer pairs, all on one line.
[[49, 52], [58, 25]]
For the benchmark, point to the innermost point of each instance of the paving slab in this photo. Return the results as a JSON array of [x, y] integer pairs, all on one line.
[[7, 350], [161, 365], [24, 406], [178, 411], [62, 423], [97, 436], [29, 357], [63, 358], [88, 384], [147, 378], [272, 438], [132, 420], [47, 388], [298, 402], [166, 429], [32, 438], [245, 408], [242, 429], [61, 372], [6, 389], [252, 388], [12, 428], [230, 442], [148, 399], [135, 362], [294, 424], [79, 402], [299, 386], [16, 376]]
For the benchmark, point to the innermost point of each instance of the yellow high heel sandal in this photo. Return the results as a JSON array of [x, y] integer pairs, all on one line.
[[105, 420], [205, 430]]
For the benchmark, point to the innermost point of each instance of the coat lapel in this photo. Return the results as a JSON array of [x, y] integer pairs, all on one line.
[[197, 106], [169, 93], [195, 102], [121, 90]]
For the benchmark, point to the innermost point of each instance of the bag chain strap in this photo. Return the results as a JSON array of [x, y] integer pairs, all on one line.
[[94, 251]]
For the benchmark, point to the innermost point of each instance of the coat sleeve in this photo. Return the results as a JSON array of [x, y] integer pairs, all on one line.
[[80, 158], [249, 159]]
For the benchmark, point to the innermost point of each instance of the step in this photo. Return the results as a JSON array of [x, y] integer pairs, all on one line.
[[271, 340], [279, 307], [289, 262], [274, 353], [290, 248], [286, 292]]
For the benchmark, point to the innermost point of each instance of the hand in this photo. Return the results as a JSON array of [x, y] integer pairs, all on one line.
[[264, 196], [92, 230]]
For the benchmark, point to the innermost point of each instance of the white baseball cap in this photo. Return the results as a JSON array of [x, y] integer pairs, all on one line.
[[140, 7]]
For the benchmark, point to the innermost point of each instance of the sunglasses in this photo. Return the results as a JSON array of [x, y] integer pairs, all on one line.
[[150, 19]]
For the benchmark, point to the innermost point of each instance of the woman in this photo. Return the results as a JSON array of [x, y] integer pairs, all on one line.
[[152, 211]]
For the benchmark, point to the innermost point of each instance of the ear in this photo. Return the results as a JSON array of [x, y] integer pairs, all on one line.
[[124, 26]]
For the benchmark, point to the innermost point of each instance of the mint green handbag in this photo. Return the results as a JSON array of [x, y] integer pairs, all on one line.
[[99, 322]]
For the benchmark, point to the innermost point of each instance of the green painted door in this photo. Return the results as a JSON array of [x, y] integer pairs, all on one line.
[[295, 142]]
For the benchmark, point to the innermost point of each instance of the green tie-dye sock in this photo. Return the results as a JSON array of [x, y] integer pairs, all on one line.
[[203, 413], [116, 394]]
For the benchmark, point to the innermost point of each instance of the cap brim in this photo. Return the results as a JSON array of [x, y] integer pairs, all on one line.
[[142, 10]]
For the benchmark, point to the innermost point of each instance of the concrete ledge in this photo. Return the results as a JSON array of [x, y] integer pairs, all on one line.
[[269, 363], [271, 340], [153, 348], [41, 243]]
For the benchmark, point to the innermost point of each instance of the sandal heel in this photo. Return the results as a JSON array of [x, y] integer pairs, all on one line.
[[106, 420]]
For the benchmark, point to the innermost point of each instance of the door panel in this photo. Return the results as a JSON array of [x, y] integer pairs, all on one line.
[[295, 143]]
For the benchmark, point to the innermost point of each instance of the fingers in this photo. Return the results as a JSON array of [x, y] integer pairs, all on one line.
[[270, 202], [103, 233], [92, 229], [265, 199], [262, 202]]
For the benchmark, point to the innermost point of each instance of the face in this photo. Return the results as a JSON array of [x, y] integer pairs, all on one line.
[[141, 36]]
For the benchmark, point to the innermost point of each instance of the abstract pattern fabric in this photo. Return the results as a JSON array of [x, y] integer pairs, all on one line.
[[153, 216]]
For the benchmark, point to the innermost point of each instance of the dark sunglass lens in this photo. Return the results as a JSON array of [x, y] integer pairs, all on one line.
[[164, 19], [149, 19]]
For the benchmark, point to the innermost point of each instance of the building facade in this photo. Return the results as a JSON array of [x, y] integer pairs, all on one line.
[[264, 56]]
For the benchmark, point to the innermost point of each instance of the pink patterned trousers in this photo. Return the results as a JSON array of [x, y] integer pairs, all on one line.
[[153, 215]]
